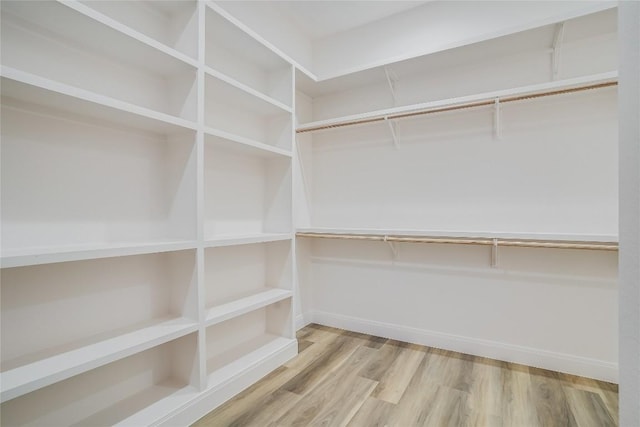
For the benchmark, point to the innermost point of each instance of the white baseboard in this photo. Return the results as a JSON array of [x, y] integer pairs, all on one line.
[[302, 320], [570, 364]]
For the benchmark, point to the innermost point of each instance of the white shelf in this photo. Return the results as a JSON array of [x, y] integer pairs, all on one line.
[[561, 237], [100, 34], [444, 103], [91, 10], [244, 357], [37, 90], [233, 240], [241, 96], [244, 96], [242, 145], [232, 49], [256, 300], [38, 256], [35, 375]]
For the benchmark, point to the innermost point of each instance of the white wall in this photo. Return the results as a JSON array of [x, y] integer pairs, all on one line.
[[629, 105], [556, 309]]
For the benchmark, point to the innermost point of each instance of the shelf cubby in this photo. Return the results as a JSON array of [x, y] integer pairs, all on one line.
[[73, 321], [241, 278], [233, 52], [141, 389], [230, 109], [36, 39], [247, 192], [106, 185], [238, 344], [174, 24]]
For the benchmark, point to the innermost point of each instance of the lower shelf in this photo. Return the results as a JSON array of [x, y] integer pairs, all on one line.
[[142, 389], [252, 301], [45, 371], [224, 367]]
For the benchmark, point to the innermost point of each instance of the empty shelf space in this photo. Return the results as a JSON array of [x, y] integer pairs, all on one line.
[[55, 254], [243, 96], [231, 51], [243, 357], [105, 185], [36, 39], [220, 140], [38, 374], [169, 26], [141, 389], [240, 306], [245, 194], [35, 90]]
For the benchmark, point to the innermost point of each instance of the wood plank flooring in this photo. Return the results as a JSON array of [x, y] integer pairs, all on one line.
[[343, 378]]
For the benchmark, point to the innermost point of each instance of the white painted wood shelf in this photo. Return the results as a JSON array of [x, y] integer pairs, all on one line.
[[30, 88], [232, 240], [122, 126], [240, 306], [35, 375], [38, 256], [243, 357]]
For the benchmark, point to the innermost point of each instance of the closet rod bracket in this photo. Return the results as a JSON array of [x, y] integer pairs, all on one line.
[[555, 50], [394, 248], [393, 129], [497, 125], [494, 253], [391, 81]]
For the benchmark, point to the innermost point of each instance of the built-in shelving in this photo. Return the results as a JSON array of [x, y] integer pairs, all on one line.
[[230, 51], [142, 389], [169, 26], [33, 89], [121, 123], [35, 375], [229, 142], [246, 239], [246, 191], [35, 39], [240, 306], [238, 344], [55, 254], [107, 186]]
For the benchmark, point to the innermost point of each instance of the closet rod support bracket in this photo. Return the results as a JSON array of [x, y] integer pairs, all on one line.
[[393, 129], [494, 253], [497, 125], [555, 50], [394, 249], [391, 81]]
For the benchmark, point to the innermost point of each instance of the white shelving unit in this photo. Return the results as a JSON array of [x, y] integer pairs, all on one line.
[[145, 279]]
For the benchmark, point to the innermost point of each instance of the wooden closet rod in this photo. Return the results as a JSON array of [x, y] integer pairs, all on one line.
[[554, 244], [488, 102]]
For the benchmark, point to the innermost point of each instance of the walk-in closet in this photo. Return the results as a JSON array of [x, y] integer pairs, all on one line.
[[329, 213]]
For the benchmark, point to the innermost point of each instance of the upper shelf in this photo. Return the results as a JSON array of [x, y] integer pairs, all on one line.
[[38, 256], [169, 25], [95, 32], [225, 88], [487, 98], [233, 51], [26, 87]]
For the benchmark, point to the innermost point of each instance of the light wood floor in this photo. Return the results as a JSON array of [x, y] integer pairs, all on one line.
[[344, 378]]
